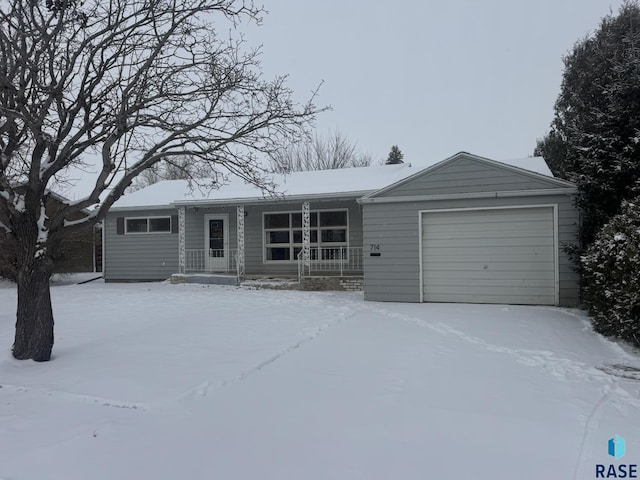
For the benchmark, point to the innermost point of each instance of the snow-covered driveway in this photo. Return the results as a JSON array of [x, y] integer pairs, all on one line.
[[159, 381]]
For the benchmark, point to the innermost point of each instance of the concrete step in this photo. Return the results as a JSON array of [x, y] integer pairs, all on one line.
[[204, 278]]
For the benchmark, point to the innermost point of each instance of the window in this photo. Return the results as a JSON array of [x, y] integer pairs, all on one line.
[[283, 235], [148, 225]]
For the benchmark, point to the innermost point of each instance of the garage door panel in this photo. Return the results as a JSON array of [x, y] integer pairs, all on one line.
[[489, 256], [481, 253], [493, 286], [488, 226], [511, 216], [487, 232], [491, 241], [464, 264], [481, 274], [489, 290], [505, 299]]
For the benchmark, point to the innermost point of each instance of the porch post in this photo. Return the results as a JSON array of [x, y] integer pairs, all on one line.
[[306, 235], [240, 224], [181, 240]]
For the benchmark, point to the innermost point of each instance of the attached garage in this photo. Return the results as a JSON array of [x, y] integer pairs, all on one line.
[[496, 255], [472, 230]]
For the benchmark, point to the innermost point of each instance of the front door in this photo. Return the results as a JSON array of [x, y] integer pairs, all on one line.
[[216, 243]]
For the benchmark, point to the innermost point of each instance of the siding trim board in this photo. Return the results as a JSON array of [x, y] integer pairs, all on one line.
[[475, 195], [554, 210]]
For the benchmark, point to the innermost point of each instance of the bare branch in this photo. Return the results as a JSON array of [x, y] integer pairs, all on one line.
[[319, 153], [137, 83]]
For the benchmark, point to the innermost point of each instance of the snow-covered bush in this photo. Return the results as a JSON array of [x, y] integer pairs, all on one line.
[[611, 275]]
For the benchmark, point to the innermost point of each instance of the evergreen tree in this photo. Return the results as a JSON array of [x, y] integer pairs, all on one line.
[[611, 280], [395, 156], [595, 134]]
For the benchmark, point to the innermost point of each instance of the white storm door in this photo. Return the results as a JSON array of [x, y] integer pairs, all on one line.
[[216, 242]]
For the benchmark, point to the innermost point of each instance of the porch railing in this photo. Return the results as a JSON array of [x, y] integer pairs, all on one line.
[[212, 261], [331, 260]]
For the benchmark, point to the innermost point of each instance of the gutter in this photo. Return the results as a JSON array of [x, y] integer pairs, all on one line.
[[328, 197], [142, 207], [322, 197], [463, 196]]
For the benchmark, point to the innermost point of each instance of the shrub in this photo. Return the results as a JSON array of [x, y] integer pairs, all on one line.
[[611, 276]]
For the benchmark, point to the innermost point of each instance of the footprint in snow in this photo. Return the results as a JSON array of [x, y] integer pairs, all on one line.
[[623, 371]]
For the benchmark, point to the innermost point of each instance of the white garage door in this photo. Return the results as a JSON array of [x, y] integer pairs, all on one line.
[[489, 256]]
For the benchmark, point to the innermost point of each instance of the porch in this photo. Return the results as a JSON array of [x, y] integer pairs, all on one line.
[[339, 261], [275, 241]]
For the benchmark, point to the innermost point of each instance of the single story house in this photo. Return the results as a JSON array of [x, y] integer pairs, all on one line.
[[465, 229]]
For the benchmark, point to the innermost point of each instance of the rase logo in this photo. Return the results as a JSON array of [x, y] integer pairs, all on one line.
[[616, 448]]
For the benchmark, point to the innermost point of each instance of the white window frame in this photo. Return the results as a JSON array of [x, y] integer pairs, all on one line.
[[126, 225], [293, 245]]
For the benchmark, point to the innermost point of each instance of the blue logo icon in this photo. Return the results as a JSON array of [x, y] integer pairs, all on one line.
[[616, 446]]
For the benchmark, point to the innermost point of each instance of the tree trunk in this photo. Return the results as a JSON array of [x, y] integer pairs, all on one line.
[[34, 319]]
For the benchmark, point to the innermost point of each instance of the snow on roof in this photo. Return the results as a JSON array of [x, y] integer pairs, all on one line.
[[345, 181], [533, 164]]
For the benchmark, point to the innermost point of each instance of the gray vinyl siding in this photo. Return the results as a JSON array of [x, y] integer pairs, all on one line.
[[466, 176], [394, 228], [139, 257], [155, 256]]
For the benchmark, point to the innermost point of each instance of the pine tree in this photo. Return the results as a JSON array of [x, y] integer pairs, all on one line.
[[611, 280], [395, 156], [595, 134]]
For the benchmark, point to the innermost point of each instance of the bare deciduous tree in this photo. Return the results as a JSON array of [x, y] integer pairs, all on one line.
[[132, 82], [179, 168], [319, 153]]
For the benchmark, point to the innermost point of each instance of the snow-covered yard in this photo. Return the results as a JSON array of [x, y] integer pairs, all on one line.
[[159, 381]]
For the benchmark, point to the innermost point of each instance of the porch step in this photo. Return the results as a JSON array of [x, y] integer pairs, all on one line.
[[270, 283], [204, 278], [344, 283]]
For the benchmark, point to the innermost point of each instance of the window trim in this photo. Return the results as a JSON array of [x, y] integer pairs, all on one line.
[[163, 232], [291, 244]]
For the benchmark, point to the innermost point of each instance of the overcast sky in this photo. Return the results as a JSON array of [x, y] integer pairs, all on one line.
[[433, 77]]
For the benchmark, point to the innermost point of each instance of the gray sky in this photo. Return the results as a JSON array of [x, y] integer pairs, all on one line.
[[433, 77]]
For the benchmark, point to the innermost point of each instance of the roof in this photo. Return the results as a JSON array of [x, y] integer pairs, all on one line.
[[532, 167], [532, 164], [346, 182], [353, 182]]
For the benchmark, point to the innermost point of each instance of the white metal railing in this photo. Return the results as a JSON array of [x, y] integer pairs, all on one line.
[[212, 261], [331, 260]]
